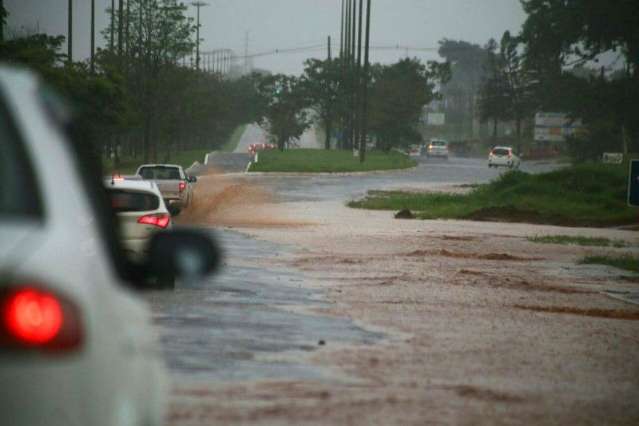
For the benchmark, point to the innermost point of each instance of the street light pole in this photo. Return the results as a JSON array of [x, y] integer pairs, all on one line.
[[112, 41], [198, 5]]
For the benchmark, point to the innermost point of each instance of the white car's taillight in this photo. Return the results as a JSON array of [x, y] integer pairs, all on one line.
[[39, 320], [182, 186], [161, 220]]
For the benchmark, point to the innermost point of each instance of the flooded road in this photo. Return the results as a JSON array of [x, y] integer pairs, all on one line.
[[328, 315], [240, 324]]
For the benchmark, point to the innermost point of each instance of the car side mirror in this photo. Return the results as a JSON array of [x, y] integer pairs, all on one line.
[[183, 254], [191, 179]]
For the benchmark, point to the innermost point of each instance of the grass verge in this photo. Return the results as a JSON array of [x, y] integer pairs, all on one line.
[[577, 241], [584, 195], [185, 159], [627, 262], [322, 161], [234, 140]]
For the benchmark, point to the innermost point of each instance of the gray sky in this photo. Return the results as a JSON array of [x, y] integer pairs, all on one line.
[[281, 24]]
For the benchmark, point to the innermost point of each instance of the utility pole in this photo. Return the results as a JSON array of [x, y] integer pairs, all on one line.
[[329, 113], [341, 34], [246, 48], [364, 138], [198, 5], [70, 33], [358, 79], [347, 74], [354, 77], [112, 41], [120, 26], [126, 28], [92, 36], [1, 21]]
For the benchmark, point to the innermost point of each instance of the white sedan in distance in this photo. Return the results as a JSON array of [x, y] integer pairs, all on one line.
[[503, 156]]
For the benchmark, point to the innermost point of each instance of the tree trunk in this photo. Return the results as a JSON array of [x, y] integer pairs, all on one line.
[[624, 141], [329, 130], [146, 141], [494, 129], [519, 135]]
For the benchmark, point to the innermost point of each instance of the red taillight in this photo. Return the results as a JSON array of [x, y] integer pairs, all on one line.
[[37, 319], [159, 220], [182, 186]]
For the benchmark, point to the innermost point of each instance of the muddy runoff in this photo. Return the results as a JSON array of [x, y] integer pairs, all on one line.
[[481, 326], [233, 201]]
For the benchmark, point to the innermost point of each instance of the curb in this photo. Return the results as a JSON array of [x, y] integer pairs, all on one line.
[[337, 174]]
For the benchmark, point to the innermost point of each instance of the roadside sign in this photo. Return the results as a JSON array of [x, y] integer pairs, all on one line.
[[633, 184], [612, 158]]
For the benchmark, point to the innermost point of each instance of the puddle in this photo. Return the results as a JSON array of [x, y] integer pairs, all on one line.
[[238, 325]]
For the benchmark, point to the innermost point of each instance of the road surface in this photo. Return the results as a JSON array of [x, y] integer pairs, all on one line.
[[329, 315]]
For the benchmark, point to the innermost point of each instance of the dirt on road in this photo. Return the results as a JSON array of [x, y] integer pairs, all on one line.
[[481, 326]]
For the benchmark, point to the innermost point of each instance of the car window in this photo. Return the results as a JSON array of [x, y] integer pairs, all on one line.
[[131, 201], [160, 173], [501, 151], [438, 143], [19, 194]]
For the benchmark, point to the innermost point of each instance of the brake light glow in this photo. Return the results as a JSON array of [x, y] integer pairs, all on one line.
[[160, 220], [33, 317], [37, 319], [182, 186]]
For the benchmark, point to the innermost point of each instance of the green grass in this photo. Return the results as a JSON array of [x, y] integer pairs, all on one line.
[[578, 241], [127, 166], [584, 195], [234, 140], [322, 161], [629, 263]]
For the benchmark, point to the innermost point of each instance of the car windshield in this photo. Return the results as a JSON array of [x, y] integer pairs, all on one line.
[[133, 201], [160, 173], [428, 209]]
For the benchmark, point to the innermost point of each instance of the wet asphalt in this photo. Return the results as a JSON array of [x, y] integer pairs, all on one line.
[[240, 325]]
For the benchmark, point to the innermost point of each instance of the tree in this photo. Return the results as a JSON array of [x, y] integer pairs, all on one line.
[[560, 33], [399, 93], [286, 115], [468, 69], [160, 34], [494, 103], [322, 83]]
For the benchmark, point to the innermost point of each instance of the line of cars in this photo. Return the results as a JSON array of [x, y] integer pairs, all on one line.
[[498, 156], [76, 338]]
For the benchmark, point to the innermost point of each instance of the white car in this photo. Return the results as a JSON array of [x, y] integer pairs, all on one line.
[[174, 184], [437, 148], [77, 342], [503, 156], [140, 210]]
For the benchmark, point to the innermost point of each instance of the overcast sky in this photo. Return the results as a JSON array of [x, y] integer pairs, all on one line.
[[281, 24]]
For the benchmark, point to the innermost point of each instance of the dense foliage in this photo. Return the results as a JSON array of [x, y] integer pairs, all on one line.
[[561, 63], [139, 100]]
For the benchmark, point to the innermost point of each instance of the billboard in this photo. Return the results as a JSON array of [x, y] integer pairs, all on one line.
[[555, 126], [436, 119]]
